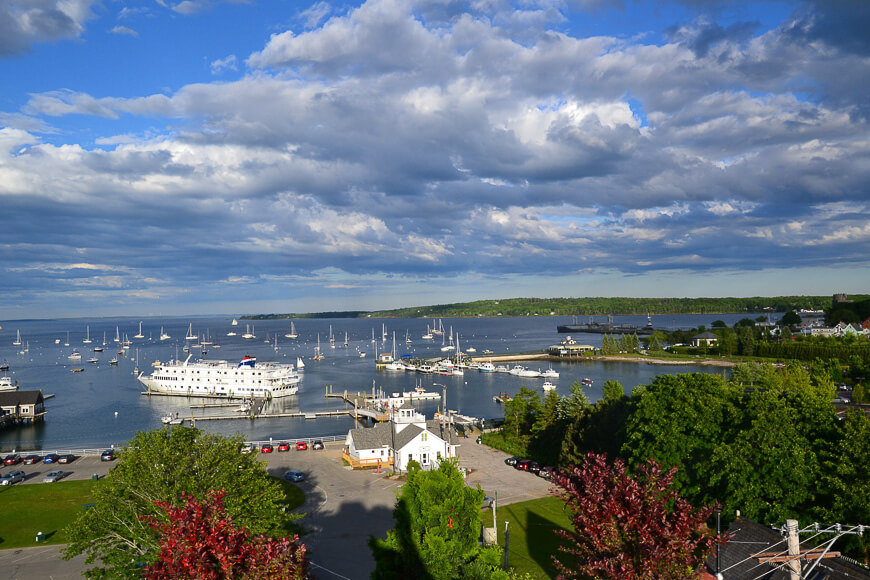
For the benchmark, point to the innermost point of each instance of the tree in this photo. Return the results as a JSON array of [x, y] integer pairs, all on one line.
[[438, 523], [158, 466], [613, 391], [519, 413], [859, 394], [200, 541], [629, 528], [718, 324], [790, 318]]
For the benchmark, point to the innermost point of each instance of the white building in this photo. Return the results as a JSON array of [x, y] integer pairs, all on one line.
[[407, 436]]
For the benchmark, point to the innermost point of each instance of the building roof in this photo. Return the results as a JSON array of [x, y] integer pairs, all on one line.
[[13, 398], [748, 538], [406, 435], [372, 437], [705, 336]]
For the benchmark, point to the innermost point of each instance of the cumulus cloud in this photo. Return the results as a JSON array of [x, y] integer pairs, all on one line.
[[24, 23], [413, 139], [124, 30]]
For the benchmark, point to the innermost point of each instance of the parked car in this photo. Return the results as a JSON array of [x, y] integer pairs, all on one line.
[[523, 464], [487, 502], [107, 455], [50, 458], [283, 446], [53, 476], [12, 477], [294, 475], [534, 467], [511, 461], [547, 472], [31, 459], [301, 446], [248, 448], [317, 445], [66, 458], [266, 448], [12, 459]]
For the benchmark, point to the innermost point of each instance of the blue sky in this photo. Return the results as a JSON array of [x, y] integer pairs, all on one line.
[[166, 157]]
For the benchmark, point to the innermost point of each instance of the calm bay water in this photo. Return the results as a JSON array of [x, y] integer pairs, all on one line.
[[103, 405]]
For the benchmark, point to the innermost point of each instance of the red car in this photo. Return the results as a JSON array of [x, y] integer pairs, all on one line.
[[266, 448], [283, 446], [12, 459], [301, 446], [523, 464]]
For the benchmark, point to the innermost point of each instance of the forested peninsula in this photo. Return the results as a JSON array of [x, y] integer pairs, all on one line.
[[592, 306]]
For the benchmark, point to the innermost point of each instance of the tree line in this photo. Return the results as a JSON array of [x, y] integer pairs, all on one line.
[[766, 442]]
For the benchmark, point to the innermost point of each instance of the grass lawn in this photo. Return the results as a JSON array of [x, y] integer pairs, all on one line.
[[40, 507], [532, 537], [49, 507]]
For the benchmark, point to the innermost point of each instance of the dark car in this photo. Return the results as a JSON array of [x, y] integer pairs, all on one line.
[[107, 455], [547, 472], [487, 502], [317, 445], [523, 464], [267, 448], [511, 460], [67, 458], [50, 458], [12, 459], [294, 476], [31, 459], [283, 446], [301, 446], [534, 467]]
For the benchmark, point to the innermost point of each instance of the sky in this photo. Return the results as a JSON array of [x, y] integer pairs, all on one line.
[[165, 157]]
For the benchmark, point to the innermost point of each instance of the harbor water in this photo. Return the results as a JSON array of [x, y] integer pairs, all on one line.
[[104, 404]]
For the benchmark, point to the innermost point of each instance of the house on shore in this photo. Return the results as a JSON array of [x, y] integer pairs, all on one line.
[[704, 339], [407, 436], [21, 407]]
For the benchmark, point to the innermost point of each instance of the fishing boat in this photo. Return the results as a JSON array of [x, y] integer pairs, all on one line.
[[76, 355], [93, 360], [550, 373], [587, 381], [548, 386], [470, 349], [292, 333], [113, 361], [529, 374], [7, 385], [98, 349], [486, 367]]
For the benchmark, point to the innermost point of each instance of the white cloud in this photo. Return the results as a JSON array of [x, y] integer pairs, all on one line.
[[124, 30], [220, 65]]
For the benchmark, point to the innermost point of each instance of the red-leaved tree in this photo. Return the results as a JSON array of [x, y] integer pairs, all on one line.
[[200, 541], [629, 527]]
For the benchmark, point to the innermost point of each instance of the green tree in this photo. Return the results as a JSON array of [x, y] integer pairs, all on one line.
[[159, 466], [718, 324], [613, 391], [520, 413], [438, 523], [679, 420], [859, 394], [656, 340], [790, 318]]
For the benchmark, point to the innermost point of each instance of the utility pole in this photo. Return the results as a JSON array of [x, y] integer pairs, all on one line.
[[794, 550]]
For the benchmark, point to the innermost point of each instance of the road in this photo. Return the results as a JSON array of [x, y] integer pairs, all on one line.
[[342, 508]]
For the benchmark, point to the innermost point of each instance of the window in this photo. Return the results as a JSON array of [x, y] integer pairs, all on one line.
[[423, 436]]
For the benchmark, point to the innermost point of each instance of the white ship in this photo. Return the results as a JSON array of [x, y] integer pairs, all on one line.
[[220, 378]]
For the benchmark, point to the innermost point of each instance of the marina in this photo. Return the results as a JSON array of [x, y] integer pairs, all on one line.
[[103, 402]]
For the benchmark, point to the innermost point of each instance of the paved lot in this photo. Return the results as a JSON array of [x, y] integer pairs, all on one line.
[[343, 508]]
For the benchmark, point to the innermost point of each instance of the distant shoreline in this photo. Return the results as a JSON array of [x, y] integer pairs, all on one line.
[[603, 358]]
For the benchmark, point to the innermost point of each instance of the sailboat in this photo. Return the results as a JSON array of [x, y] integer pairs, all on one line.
[[139, 335], [248, 334], [428, 335], [345, 339], [17, 339], [300, 366], [408, 337], [440, 329], [100, 348], [163, 335], [104, 338], [383, 333], [67, 339], [87, 339], [190, 334], [317, 355], [373, 334], [117, 335], [292, 333], [234, 322], [276, 343], [331, 338]]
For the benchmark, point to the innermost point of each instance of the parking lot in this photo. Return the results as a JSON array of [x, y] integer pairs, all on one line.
[[342, 508]]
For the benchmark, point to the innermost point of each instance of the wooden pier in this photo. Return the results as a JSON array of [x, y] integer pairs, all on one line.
[[363, 404]]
